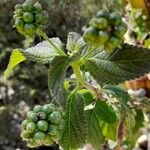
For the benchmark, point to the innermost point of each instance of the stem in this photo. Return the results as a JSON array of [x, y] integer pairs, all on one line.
[[76, 69], [121, 130], [44, 35]]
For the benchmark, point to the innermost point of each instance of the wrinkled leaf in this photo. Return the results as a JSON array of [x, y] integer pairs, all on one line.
[[123, 64], [75, 125], [75, 42], [56, 76], [105, 112], [43, 52], [94, 136]]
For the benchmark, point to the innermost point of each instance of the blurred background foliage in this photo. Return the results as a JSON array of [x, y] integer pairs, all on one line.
[[27, 85]]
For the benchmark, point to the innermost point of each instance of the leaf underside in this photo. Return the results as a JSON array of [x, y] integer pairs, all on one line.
[[43, 52], [75, 126], [123, 64], [75, 42]]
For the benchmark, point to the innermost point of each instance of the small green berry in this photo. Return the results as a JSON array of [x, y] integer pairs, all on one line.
[[90, 36], [103, 36], [30, 28], [37, 108], [37, 7], [26, 135], [31, 116], [48, 140], [24, 123], [112, 43], [28, 17], [42, 125], [32, 144], [103, 13], [48, 109], [52, 129], [27, 6], [31, 126], [39, 137], [55, 117], [100, 23], [115, 18], [39, 18], [19, 23]]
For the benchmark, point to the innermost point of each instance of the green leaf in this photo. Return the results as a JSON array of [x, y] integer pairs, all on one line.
[[132, 139], [109, 130], [43, 52], [123, 64], [56, 76], [75, 125], [75, 42], [139, 120], [130, 122], [15, 58], [94, 136], [105, 112], [119, 93], [87, 96]]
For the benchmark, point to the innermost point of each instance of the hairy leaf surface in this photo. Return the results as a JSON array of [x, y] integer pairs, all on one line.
[[105, 112], [56, 78], [123, 64], [43, 52], [15, 58], [75, 42], [75, 126]]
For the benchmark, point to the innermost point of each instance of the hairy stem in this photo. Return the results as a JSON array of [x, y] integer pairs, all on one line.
[[44, 35], [77, 72]]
